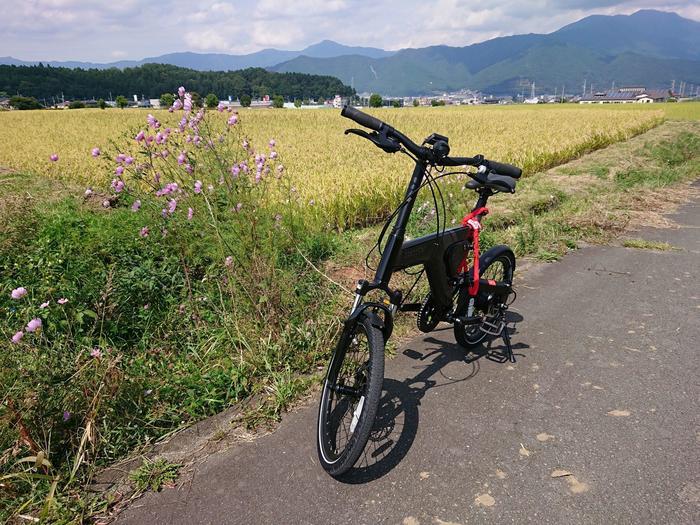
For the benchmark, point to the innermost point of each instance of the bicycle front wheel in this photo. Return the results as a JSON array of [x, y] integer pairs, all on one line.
[[350, 396]]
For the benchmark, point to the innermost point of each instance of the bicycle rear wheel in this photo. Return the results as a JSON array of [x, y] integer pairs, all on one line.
[[499, 269], [350, 396]]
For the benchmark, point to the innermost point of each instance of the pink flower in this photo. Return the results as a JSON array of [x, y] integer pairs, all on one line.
[[232, 120], [18, 293], [152, 121], [187, 104], [44, 305], [33, 325], [136, 206], [177, 104], [245, 144], [229, 261], [146, 306], [144, 231], [181, 91], [96, 353], [235, 170], [273, 155], [53, 157], [96, 152], [62, 300], [189, 169], [118, 185], [119, 170], [129, 161], [198, 186], [272, 143], [172, 204], [190, 214], [140, 136], [181, 158], [220, 107], [66, 415], [239, 206], [150, 139], [17, 337], [120, 158]]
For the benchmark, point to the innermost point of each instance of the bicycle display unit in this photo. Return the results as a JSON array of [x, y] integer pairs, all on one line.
[[472, 295]]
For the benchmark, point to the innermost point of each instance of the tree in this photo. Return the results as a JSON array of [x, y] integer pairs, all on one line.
[[436, 103], [297, 102], [101, 103], [278, 101], [166, 100], [76, 104], [121, 102], [23, 103], [245, 101], [211, 100], [415, 103], [395, 103], [196, 99], [375, 101]]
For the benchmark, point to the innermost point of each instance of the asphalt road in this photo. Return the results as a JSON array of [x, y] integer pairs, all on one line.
[[597, 422]]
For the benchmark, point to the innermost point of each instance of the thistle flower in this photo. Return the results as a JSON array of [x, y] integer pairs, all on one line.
[[190, 214], [140, 136], [273, 155], [189, 169], [181, 158], [129, 161], [119, 170], [272, 143], [66, 415], [233, 120], [118, 185], [245, 144], [144, 231], [18, 293], [33, 325], [136, 206], [96, 152], [187, 104], [235, 170], [53, 157], [198, 186], [220, 107], [172, 205], [181, 91], [120, 158], [96, 353], [152, 121], [62, 300], [44, 305], [17, 337]]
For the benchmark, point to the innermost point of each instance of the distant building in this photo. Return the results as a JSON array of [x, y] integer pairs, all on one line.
[[626, 95]]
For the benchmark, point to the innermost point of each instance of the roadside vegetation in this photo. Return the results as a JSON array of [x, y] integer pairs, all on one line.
[[153, 290]]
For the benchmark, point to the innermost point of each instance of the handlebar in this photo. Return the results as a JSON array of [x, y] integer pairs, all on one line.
[[384, 130]]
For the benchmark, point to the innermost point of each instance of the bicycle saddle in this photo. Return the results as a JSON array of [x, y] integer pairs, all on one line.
[[494, 182]]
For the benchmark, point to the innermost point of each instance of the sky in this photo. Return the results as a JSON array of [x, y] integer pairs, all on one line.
[[105, 31]]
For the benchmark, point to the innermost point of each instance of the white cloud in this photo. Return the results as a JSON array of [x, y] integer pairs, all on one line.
[[101, 30]]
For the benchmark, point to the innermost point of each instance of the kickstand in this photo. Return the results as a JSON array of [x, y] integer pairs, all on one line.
[[506, 340]]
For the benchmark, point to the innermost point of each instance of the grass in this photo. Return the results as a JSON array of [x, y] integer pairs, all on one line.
[[154, 475], [643, 244]]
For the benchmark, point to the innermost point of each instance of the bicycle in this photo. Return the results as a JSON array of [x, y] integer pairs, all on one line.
[[473, 298]]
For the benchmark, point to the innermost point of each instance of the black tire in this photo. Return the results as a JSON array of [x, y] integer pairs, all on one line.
[[345, 418], [499, 268]]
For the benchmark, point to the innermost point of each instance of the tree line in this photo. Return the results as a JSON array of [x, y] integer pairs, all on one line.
[[152, 80]]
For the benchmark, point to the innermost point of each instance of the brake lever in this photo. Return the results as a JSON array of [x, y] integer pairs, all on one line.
[[381, 140]]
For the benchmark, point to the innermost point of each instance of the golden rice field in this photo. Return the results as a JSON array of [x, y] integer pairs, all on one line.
[[345, 175]]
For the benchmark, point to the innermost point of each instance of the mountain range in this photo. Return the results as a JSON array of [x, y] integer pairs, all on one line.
[[649, 48]]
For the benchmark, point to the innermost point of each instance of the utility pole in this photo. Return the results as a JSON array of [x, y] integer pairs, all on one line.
[[673, 86], [584, 86]]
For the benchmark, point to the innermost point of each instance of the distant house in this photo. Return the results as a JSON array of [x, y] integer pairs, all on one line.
[[4, 103], [626, 95]]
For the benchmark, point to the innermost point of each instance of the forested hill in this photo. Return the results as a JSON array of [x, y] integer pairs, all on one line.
[[152, 80]]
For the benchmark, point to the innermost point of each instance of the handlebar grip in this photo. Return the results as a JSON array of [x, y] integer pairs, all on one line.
[[363, 119], [505, 169]]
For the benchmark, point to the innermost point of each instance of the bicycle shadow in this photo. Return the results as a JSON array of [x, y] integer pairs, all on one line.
[[396, 423]]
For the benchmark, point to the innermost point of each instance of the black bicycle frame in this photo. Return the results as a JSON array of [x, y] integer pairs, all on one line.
[[440, 253]]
